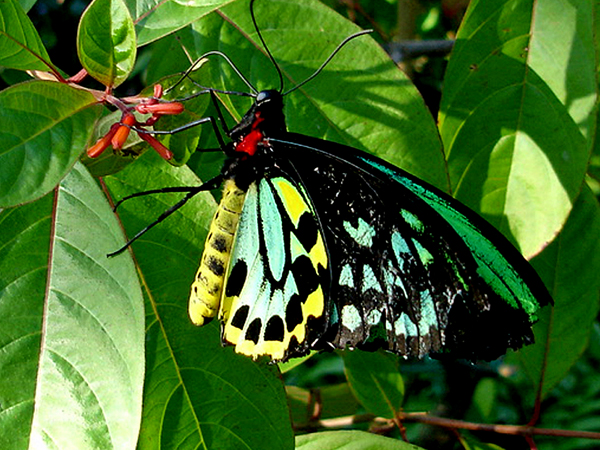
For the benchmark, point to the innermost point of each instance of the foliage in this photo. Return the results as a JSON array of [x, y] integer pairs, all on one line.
[[85, 367]]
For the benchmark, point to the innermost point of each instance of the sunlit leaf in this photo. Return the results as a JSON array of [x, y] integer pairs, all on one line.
[[73, 333], [571, 265], [106, 42], [516, 115]]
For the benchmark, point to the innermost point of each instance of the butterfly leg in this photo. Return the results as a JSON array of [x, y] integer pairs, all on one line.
[[191, 192], [187, 126]]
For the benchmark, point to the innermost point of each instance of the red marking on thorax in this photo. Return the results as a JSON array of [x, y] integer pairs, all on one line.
[[251, 140]]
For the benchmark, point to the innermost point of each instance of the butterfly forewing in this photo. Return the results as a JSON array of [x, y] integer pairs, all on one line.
[[275, 295]]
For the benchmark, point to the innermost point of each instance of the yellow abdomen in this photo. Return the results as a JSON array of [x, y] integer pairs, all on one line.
[[207, 287]]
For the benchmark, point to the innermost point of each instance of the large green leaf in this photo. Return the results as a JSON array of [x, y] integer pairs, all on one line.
[[197, 394], [73, 331], [361, 99], [44, 127], [570, 265], [20, 45], [106, 42], [517, 113]]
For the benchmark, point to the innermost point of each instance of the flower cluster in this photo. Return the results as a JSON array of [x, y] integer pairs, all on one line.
[[118, 132]]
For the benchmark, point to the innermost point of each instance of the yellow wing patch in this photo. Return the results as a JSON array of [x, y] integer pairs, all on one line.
[[295, 205]]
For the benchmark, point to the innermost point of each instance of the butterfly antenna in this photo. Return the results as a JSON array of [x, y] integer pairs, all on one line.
[[329, 58], [226, 58], [266, 48]]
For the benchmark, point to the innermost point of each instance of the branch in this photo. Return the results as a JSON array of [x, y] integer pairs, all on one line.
[[515, 430]]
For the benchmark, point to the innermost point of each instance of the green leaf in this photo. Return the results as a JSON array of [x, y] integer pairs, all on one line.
[[330, 402], [570, 265], [197, 393], [44, 127], [350, 440], [73, 333], [376, 381], [154, 21], [106, 42], [364, 102], [20, 45], [517, 113]]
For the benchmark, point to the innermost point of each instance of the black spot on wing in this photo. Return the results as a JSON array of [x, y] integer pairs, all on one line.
[[236, 279], [293, 312], [304, 275], [274, 329], [307, 231], [253, 331], [240, 317]]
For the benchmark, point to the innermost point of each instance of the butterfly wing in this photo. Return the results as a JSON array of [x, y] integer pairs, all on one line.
[[274, 301], [412, 270]]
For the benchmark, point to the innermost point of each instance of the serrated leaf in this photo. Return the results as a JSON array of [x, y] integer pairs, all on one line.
[[44, 127], [198, 394], [570, 265], [73, 333], [106, 41], [516, 121], [350, 440], [375, 380], [20, 45]]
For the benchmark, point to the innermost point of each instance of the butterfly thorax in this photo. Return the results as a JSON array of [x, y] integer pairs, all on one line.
[[264, 119], [250, 155]]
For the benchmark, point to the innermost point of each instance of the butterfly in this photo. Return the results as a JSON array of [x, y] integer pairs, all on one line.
[[316, 245]]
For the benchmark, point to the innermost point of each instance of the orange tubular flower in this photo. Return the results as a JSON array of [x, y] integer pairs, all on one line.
[[163, 151], [161, 109], [101, 144], [123, 131]]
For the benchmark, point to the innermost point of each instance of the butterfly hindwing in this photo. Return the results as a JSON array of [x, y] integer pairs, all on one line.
[[274, 300], [412, 271]]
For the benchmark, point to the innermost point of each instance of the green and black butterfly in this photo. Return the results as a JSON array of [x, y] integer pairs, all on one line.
[[317, 245]]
